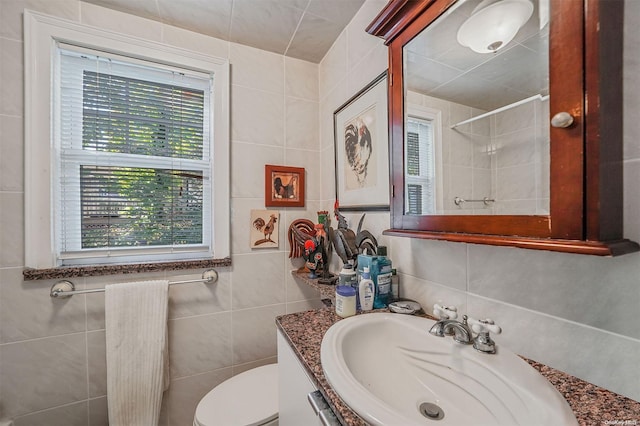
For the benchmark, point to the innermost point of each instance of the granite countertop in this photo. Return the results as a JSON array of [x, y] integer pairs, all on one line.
[[592, 405], [327, 291]]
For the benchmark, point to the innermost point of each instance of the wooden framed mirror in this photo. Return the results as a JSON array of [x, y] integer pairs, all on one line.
[[474, 105]]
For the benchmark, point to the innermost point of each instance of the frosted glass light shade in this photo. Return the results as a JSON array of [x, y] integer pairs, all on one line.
[[493, 24]]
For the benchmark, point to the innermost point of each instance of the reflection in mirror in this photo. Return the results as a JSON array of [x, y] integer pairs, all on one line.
[[476, 124]]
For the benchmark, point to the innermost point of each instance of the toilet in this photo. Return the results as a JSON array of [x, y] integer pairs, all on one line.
[[247, 399]]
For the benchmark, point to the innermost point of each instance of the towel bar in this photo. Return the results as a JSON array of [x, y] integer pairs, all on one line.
[[65, 288], [486, 200]]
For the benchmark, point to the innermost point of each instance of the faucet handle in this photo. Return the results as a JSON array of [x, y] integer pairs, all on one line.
[[445, 312], [483, 341], [484, 326]]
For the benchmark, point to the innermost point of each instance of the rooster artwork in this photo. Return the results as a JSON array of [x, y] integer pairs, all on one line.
[[264, 228]]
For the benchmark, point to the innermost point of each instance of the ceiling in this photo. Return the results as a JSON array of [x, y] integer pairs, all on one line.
[[437, 65], [303, 29]]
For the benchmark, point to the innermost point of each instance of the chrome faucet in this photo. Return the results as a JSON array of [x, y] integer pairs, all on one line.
[[450, 327], [462, 332], [444, 314]]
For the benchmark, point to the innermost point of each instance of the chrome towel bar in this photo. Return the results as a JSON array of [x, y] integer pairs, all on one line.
[[486, 200], [65, 288]]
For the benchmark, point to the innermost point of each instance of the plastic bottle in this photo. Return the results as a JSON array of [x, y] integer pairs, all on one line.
[[395, 284], [347, 276], [366, 260], [367, 291], [382, 279], [345, 301]]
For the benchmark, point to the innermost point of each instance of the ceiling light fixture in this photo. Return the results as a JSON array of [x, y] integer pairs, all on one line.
[[493, 24]]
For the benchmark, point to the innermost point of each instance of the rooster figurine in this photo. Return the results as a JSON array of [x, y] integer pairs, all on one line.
[[349, 244], [344, 239], [300, 231], [313, 242], [313, 257]]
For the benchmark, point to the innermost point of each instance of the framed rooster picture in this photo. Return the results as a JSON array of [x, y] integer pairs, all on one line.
[[283, 186], [362, 149], [264, 228]]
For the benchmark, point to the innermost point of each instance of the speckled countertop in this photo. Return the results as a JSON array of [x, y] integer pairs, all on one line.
[[327, 291], [591, 404]]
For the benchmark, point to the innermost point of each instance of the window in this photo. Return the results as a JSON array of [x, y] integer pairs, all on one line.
[[420, 167], [135, 128], [422, 153], [133, 161]]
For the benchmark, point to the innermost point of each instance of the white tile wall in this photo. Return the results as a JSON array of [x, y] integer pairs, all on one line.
[[52, 352], [258, 332], [11, 13], [257, 116], [301, 79], [209, 340], [521, 140], [600, 339], [269, 76], [66, 415], [43, 373], [11, 153], [302, 124], [121, 23]]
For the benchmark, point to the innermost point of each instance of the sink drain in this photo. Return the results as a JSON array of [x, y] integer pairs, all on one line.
[[431, 411]]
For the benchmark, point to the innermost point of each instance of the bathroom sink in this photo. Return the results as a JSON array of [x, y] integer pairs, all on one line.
[[391, 371]]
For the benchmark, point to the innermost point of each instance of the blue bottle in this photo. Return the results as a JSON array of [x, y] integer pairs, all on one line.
[[383, 274]]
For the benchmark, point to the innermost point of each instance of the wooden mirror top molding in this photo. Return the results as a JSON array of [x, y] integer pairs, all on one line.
[[586, 181]]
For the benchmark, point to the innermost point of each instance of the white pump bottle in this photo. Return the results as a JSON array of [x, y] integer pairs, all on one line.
[[366, 290]]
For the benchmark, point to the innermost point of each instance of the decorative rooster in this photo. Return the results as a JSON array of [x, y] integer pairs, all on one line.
[[344, 239], [267, 229], [348, 244], [365, 241], [313, 242], [313, 257], [300, 231]]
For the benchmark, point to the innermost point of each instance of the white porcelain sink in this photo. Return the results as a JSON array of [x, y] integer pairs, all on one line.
[[387, 366]]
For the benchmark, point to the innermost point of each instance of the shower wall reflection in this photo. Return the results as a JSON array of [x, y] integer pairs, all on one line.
[[502, 157]]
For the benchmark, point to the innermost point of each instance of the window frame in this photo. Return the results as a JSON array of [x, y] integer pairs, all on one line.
[[42, 34], [434, 116], [428, 202]]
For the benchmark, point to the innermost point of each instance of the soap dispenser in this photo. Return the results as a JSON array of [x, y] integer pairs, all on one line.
[[366, 290]]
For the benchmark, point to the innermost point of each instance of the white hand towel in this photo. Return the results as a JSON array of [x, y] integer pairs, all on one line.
[[137, 356]]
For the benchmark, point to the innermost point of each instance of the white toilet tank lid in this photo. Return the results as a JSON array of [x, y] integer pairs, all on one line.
[[247, 399]]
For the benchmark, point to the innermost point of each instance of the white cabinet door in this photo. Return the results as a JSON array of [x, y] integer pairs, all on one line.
[[294, 386]]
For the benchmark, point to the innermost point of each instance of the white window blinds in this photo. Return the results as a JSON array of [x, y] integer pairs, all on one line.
[[420, 167], [134, 175]]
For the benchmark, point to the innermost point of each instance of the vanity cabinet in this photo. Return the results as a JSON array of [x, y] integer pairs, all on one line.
[[294, 386], [300, 401], [583, 169]]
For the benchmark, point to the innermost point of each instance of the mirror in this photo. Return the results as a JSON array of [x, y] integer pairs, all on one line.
[[563, 59], [476, 107]]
